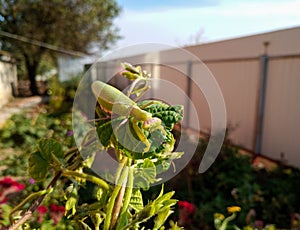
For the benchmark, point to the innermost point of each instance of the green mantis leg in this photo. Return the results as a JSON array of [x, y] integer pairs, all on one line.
[[141, 136]]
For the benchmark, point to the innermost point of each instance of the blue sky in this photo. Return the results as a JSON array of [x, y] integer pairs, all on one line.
[[184, 22]]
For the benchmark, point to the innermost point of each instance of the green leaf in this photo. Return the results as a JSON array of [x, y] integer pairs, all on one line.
[[102, 196], [130, 68], [71, 200], [174, 226], [161, 193], [38, 167], [104, 132], [161, 207], [47, 147], [161, 218], [122, 220], [169, 115], [165, 197], [146, 213], [136, 201], [71, 205], [5, 212], [170, 202], [145, 175], [150, 169], [162, 165], [96, 219]]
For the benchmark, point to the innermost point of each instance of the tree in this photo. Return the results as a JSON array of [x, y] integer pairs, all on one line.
[[70, 24], [193, 39]]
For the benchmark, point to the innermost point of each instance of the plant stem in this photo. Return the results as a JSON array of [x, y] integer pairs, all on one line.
[[128, 191], [120, 169], [128, 194], [28, 199], [118, 204], [88, 177], [134, 83], [225, 222], [35, 205], [115, 201]]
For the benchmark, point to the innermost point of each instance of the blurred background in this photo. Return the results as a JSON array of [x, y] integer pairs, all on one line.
[[251, 48]]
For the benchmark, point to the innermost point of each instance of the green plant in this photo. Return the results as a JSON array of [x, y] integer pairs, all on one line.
[[232, 180], [221, 223], [103, 205], [23, 130], [62, 94]]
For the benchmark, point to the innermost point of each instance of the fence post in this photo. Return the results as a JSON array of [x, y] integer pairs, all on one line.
[[261, 102], [189, 93]]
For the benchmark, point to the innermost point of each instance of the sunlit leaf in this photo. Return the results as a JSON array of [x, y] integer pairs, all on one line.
[[136, 201], [71, 199], [145, 175], [161, 218]]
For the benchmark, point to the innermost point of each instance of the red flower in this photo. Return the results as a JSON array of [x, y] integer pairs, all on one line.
[[61, 209], [190, 208], [8, 186], [8, 182], [56, 212], [56, 208], [53, 208], [42, 209], [186, 212], [19, 187]]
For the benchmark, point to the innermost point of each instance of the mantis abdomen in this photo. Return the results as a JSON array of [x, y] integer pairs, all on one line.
[[112, 99]]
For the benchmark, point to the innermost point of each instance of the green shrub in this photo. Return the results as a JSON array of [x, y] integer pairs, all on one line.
[[22, 130], [232, 181], [62, 94]]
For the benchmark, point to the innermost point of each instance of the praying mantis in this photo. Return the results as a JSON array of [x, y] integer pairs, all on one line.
[[141, 127], [111, 99]]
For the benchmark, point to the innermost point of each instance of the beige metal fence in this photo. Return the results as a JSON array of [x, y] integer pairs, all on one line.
[[282, 109]]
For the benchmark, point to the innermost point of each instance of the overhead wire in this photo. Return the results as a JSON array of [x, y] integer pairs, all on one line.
[[42, 44]]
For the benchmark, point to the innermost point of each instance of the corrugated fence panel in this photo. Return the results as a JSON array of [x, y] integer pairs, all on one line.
[[239, 82], [199, 100], [173, 88], [282, 110]]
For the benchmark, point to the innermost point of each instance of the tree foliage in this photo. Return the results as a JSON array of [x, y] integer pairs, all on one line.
[[69, 24]]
